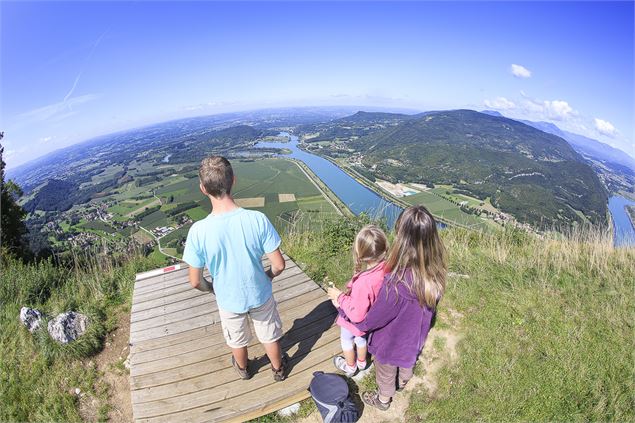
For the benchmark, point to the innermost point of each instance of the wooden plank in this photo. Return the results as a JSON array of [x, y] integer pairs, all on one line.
[[149, 282], [319, 321], [175, 278], [267, 409], [181, 368], [226, 392], [212, 368], [193, 311], [177, 293], [287, 309], [180, 327]]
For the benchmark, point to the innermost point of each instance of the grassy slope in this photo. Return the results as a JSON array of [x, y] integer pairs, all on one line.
[[547, 327], [37, 375]]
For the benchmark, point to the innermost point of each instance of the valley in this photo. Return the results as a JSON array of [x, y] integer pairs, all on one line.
[[142, 186]]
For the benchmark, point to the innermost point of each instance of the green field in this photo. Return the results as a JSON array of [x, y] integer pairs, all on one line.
[[258, 179], [446, 209]]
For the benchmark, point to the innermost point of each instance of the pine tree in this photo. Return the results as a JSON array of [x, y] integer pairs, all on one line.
[[12, 228]]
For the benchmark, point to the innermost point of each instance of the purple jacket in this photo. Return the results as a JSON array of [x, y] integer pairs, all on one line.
[[398, 325]]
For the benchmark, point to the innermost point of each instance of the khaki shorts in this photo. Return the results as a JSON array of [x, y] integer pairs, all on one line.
[[266, 322]]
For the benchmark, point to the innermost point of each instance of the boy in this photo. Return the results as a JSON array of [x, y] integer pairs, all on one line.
[[230, 241]]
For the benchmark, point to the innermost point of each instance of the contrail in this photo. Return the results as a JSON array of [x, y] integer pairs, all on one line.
[[81, 71]]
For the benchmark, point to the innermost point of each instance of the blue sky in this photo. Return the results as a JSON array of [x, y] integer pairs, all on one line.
[[73, 70]]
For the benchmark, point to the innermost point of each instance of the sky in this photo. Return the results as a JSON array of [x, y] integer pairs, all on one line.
[[70, 71]]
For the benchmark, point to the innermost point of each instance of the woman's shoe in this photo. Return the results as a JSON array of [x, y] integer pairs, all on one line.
[[372, 398]]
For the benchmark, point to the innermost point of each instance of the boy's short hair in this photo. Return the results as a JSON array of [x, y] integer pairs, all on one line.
[[216, 176]]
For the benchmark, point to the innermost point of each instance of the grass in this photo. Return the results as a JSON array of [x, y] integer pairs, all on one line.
[[38, 376], [547, 326], [548, 331]]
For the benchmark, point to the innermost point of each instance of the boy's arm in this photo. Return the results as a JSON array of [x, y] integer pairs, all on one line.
[[277, 263], [197, 281]]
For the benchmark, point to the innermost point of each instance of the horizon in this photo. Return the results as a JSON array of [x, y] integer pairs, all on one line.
[[72, 72]]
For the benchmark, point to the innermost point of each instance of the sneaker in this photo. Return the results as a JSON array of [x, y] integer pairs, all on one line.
[[280, 374], [340, 364], [242, 373], [361, 365], [372, 398]]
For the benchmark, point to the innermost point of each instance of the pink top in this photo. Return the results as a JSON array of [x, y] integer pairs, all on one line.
[[365, 286]]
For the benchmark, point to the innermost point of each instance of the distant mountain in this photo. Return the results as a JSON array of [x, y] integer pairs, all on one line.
[[354, 126], [535, 176], [584, 145]]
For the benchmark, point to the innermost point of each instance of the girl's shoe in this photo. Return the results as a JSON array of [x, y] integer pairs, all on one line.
[[361, 365], [340, 364], [372, 398]]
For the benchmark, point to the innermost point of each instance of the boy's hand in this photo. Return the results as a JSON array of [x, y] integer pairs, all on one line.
[[333, 293]]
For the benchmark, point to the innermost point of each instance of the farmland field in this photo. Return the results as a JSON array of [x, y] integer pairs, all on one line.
[[444, 208]]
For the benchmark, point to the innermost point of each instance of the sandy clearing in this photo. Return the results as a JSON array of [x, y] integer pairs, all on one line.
[[250, 202], [286, 198]]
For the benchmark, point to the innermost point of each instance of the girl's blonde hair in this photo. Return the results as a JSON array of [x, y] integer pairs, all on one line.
[[370, 245], [417, 247]]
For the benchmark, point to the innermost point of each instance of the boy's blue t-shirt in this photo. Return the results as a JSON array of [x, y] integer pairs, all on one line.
[[231, 245]]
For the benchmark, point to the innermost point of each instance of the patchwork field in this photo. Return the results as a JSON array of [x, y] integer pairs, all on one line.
[[276, 187]]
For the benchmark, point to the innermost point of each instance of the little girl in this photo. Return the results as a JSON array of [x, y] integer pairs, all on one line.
[[400, 319], [369, 251]]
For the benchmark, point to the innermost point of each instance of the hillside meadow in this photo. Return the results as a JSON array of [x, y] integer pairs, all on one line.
[[546, 332]]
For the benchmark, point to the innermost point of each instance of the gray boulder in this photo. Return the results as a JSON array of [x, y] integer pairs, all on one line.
[[31, 318], [67, 327]]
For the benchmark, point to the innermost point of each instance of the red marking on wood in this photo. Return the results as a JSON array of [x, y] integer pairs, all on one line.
[[169, 269]]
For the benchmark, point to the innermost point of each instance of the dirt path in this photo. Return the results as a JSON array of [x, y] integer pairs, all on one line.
[[439, 351], [111, 365]]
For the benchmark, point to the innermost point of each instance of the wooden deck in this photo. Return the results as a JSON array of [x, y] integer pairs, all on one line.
[[180, 365]]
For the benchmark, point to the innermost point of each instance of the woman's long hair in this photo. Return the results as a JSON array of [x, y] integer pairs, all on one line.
[[417, 247]]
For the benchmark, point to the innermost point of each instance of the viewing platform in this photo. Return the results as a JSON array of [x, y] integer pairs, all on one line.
[[180, 366]]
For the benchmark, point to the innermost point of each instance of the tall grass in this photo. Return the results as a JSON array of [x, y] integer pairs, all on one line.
[[37, 375], [547, 327]]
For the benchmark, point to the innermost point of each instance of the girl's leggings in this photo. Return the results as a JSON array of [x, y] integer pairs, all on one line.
[[347, 339], [389, 377]]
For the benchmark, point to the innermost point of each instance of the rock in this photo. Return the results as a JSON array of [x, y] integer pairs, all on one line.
[[78, 391], [290, 410], [67, 327], [126, 363], [31, 318]]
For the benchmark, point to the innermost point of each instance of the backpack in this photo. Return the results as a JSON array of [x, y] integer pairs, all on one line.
[[330, 394]]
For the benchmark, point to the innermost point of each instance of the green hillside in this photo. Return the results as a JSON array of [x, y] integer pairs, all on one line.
[[535, 176]]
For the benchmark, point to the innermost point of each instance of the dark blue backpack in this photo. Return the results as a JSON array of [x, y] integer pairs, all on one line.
[[330, 394]]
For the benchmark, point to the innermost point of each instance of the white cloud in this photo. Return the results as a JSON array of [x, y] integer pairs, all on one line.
[[558, 110], [605, 128], [520, 71], [500, 103], [57, 111]]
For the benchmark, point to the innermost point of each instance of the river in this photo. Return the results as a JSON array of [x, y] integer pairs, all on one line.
[[361, 199], [624, 233], [355, 195]]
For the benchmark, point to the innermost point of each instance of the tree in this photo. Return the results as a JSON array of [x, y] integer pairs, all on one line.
[[12, 228]]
